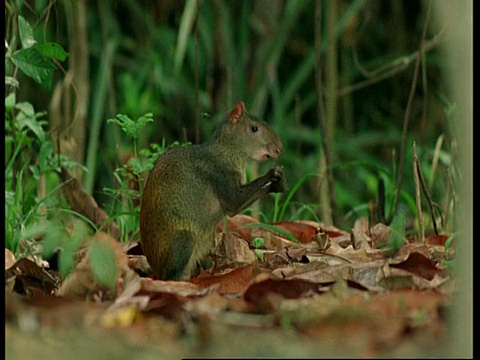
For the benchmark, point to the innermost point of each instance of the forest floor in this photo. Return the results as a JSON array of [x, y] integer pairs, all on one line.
[[331, 294]]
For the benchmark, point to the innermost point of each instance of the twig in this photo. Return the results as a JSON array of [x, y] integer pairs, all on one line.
[[388, 70], [432, 205], [418, 196], [320, 107]]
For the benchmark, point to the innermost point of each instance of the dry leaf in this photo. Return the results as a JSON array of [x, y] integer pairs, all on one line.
[[420, 265], [361, 234], [232, 282], [81, 281], [302, 231], [9, 259], [272, 241], [233, 249], [236, 224], [30, 279], [140, 264], [180, 288], [436, 240], [289, 289], [380, 233]]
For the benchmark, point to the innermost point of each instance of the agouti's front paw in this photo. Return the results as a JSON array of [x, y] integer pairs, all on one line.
[[279, 183]]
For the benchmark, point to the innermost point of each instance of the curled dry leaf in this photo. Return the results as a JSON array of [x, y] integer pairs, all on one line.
[[380, 233], [419, 265], [82, 282], [437, 240], [361, 234], [286, 256], [81, 202], [304, 232], [32, 279], [9, 259], [233, 249], [322, 239], [272, 241], [140, 264], [232, 282], [274, 259]]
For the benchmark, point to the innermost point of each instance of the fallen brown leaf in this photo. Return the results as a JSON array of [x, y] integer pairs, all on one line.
[[9, 259], [420, 265], [233, 249], [380, 233], [361, 234], [180, 288], [81, 282], [236, 224], [289, 289], [436, 240], [302, 231], [30, 279], [272, 241], [232, 282]]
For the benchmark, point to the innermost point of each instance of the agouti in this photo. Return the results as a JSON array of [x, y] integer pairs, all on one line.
[[192, 188]]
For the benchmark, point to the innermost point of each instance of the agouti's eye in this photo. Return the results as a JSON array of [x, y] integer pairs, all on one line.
[[254, 128]]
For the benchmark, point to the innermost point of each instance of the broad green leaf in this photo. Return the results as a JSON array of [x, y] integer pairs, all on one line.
[[26, 108], [10, 81], [52, 51], [30, 120], [10, 101], [33, 64], [103, 263], [26, 33]]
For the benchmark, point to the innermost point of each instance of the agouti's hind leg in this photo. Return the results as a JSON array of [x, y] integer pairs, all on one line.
[[178, 263]]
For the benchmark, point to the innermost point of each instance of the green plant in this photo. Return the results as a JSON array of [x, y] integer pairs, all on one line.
[[24, 137], [130, 177], [33, 207], [257, 244]]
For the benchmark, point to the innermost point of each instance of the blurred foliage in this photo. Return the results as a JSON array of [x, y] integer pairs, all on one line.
[[187, 61]]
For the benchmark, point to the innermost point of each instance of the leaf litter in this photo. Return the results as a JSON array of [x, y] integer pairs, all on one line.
[[331, 289]]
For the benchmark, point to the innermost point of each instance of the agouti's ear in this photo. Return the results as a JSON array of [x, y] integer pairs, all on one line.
[[237, 113]]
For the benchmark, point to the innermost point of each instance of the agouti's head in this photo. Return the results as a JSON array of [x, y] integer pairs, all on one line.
[[254, 136]]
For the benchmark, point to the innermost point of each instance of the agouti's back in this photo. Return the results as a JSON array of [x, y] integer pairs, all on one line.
[[191, 188]]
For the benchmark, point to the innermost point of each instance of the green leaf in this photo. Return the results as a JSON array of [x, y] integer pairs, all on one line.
[[10, 81], [33, 64], [258, 242], [52, 51], [186, 24], [28, 119], [26, 33], [46, 149], [103, 263], [10, 101], [26, 108]]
